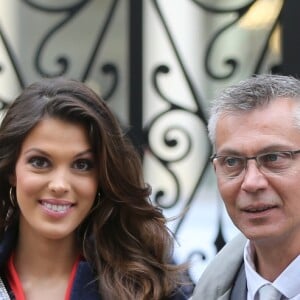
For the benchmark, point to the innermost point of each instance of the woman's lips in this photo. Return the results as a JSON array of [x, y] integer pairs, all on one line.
[[56, 208]]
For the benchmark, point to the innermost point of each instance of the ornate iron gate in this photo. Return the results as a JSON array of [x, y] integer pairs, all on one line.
[[157, 63]]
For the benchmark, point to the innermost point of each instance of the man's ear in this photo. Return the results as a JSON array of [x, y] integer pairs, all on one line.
[[12, 179]]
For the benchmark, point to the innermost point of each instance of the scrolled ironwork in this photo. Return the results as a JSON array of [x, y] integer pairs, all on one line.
[[266, 47], [197, 254], [178, 144], [70, 12], [3, 104], [171, 142], [63, 60], [163, 70], [231, 63], [108, 68], [12, 57], [221, 10], [111, 70]]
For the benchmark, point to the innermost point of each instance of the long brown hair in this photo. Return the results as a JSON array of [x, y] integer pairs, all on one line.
[[125, 238]]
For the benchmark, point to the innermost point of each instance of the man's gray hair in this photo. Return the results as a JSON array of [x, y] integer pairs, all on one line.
[[249, 94]]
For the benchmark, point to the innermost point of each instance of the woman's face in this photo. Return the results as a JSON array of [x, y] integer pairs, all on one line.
[[56, 179]]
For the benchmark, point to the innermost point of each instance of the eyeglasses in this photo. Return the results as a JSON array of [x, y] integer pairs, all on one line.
[[271, 163]]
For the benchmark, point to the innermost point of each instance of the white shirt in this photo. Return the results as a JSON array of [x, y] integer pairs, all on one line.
[[288, 282]]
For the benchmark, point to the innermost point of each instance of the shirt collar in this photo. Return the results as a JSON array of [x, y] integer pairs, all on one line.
[[285, 282], [254, 280]]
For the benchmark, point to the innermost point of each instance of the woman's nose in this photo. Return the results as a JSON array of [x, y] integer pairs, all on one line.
[[59, 183]]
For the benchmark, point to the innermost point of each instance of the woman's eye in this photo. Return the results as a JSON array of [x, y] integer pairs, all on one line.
[[83, 164], [39, 162]]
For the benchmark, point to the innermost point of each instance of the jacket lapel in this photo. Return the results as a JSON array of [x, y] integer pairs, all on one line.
[[239, 289], [85, 286]]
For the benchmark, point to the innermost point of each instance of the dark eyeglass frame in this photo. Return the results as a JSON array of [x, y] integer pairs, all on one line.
[[245, 159]]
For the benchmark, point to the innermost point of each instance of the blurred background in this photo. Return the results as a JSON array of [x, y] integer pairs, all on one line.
[[158, 64]]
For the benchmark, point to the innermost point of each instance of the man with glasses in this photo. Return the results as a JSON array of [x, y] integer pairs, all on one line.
[[255, 131]]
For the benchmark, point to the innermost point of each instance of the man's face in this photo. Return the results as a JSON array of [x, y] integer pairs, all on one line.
[[262, 205]]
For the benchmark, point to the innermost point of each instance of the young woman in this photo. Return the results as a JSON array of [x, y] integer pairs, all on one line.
[[75, 219]]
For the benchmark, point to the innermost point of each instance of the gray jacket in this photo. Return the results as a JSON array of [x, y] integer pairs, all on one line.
[[217, 280]]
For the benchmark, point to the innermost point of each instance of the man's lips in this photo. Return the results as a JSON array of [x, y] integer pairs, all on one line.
[[258, 208]]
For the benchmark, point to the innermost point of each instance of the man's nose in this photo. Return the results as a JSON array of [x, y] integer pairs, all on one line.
[[254, 179]]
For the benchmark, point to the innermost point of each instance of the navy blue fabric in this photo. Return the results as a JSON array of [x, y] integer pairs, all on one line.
[[7, 244], [85, 286]]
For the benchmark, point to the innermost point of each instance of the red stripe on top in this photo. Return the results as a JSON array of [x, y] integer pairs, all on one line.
[[71, 279], [14, 280], [16, 285]]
